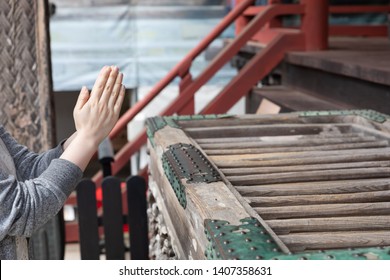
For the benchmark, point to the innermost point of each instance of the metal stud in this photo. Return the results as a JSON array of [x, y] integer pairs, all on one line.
[[259, 257]]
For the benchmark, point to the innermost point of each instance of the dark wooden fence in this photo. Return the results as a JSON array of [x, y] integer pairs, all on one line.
[[92, 245]]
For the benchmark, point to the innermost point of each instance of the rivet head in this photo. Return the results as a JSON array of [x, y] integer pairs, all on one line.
[[253, 248], [259, 257], [330, 257], [217, 227], [231, 250], [221, 234], [303, 258], [248, 240], [226, 242]]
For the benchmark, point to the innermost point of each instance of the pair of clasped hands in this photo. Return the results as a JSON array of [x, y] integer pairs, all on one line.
[[95, 115]]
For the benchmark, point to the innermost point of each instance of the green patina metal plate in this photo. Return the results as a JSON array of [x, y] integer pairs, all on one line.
[[185, 161], [368, 114], [250, 241]]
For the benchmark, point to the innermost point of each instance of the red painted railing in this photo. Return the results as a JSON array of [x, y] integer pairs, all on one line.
[[182, 70], [261, 23], [377, 30]]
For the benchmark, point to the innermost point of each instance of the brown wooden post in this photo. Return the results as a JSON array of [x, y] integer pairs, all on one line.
[[25, 73], [315, 24]]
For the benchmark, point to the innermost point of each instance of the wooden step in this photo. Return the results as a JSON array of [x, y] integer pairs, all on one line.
[[365, 59], [293, 100]]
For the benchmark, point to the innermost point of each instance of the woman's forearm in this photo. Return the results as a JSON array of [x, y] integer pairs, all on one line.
[[79, 149], [68, 141]]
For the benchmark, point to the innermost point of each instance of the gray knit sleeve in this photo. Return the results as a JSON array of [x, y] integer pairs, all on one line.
[[25, 206], [28, 164]]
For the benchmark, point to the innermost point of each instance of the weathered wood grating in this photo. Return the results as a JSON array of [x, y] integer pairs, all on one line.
[[311, 181]]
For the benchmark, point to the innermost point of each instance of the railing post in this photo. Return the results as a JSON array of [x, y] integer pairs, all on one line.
[[277, 21], [186, 80], [241, 21], [315, 24]]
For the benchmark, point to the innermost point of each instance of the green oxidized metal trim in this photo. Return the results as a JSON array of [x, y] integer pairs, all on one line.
[[184, 161], [175, 182], [158, 122], [368, 114], [202, 117], [250, 241], [246, 241]]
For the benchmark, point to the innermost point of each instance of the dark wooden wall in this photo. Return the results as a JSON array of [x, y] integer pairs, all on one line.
[[25, 73]]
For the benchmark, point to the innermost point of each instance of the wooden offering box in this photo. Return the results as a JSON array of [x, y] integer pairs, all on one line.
[[304, 185]]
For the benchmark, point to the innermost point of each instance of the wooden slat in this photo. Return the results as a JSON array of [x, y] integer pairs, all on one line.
[[88, 220], [241, 139], [324, 210], [263, 130], [334, 187], [277, 142], [363, 197], [137, 218], [299, 155], [361, 223], [369, 155], [282, 169], [113, 219], [231, 151], [249, 119], [333, 240], [311, 176]]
